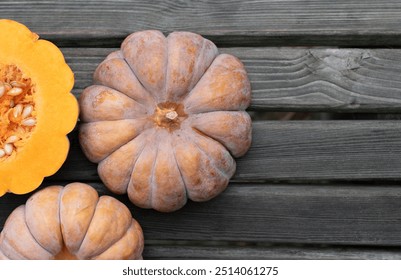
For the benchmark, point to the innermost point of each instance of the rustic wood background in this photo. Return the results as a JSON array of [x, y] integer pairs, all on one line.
[[327, 187]]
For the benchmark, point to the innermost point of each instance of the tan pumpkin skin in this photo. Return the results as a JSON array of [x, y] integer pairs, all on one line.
[[165, 119], [71, 223]]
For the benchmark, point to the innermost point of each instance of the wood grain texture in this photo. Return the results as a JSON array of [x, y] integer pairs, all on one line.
[[258, 252], [297, 150], [298, 214], [297, 79], [239, 23]]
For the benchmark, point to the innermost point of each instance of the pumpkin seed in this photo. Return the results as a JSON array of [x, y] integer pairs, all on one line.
[[17, 110], [27, 111], [15, 91], [29, 122], [8, 149], [12, 139], [17, 84], [2, 89]]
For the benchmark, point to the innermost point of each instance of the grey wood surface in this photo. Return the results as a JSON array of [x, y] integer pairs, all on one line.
[[298, 79], [269, 213], [349, 203], [297, 150], [269, 22]]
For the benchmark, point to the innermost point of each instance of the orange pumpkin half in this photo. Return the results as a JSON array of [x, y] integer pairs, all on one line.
[[37, 109], [165, 119]]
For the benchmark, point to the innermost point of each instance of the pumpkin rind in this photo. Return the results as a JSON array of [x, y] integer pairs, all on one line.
[[71, 223], [56, 108], [165, 119]]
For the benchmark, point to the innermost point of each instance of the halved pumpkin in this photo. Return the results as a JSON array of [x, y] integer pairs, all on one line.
[[37, 109]]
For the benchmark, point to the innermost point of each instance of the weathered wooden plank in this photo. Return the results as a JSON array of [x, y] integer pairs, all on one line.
[[298, 79], [268, 22], [298, 150], [186, 252], [299, 214]]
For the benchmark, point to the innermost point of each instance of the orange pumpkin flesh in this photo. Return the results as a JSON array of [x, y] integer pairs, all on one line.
[[37, 109], [71, 223], [166, 118]]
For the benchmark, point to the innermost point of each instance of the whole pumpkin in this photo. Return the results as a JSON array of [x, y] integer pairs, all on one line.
[[165, 119], [71, 223], [37, 110]]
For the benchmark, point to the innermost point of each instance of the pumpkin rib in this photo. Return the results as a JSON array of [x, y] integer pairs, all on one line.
[[119, 87], [136, 251], [243, 132], [156, 85], [123, 231], [152, 176], [19, 214], [90, 146], [99, 95], [89, 224], [13, 250], [30, 231], [178, 167], [196, 67], [140, 82], [205, 153], [220, 185], [188, 60], [132, 165], [139, 234], [140, 154], [36, 240], [4, 243], [86, 231], [170, 194], [67, 190], [2, 255], [145, 188], [193, 81], [223, 99]]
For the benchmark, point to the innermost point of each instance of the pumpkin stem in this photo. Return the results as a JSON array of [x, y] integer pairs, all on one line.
[[171, 115]]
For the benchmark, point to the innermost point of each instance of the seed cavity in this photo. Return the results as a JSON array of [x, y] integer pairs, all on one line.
[[17, 110]]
